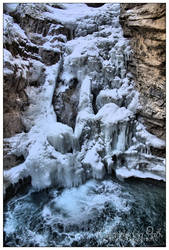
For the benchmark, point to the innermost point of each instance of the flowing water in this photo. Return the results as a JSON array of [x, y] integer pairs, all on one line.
[[97, 213]]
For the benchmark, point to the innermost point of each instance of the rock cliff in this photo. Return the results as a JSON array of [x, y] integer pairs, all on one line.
[[144, 25]]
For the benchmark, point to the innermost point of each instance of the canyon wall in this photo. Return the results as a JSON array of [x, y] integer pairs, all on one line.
[[144, 24]]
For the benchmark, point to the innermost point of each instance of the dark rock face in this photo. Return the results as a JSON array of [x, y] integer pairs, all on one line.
[[144, 24], [49, 57], [158, 152], [12, 161], [66, 104], [19, 187]]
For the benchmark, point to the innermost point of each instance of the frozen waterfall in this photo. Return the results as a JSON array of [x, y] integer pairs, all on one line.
[[90, 87]]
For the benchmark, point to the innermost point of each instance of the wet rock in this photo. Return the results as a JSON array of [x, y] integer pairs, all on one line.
[[66, 103], [19, 187]]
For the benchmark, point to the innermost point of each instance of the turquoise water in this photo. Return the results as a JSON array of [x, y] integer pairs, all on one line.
[[98, 213]]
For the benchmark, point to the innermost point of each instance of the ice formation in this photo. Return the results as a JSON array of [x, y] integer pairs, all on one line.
[[107, 136]]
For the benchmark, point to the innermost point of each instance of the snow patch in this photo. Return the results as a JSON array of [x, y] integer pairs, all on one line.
[[123, 173]]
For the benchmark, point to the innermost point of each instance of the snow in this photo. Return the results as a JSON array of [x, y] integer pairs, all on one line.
[[81, 120], [51, 46], [40, 111], [123, 173], [35, 71], [151, 140], [70, 13], [111, 114], [134, 104], [106, 96], [7, 56], [7, 72], [17, 64], [10, 7], [93, 159], [15, 31], [14, 174], [60, 137]]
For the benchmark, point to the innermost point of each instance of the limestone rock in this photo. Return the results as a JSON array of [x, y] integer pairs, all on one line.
[[144, 24]]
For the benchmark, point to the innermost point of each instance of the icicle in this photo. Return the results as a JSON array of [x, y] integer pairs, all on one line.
[[121, 139]]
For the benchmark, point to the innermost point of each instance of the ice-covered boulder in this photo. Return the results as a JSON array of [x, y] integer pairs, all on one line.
[[61, 138], [111, 114]]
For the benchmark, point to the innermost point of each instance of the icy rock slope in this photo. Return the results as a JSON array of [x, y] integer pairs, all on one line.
[[83, 52]]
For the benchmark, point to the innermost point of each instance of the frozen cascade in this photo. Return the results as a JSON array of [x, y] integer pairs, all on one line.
[[107, 135]]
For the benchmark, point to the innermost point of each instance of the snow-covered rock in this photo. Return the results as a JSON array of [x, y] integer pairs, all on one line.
[[61, 138]]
